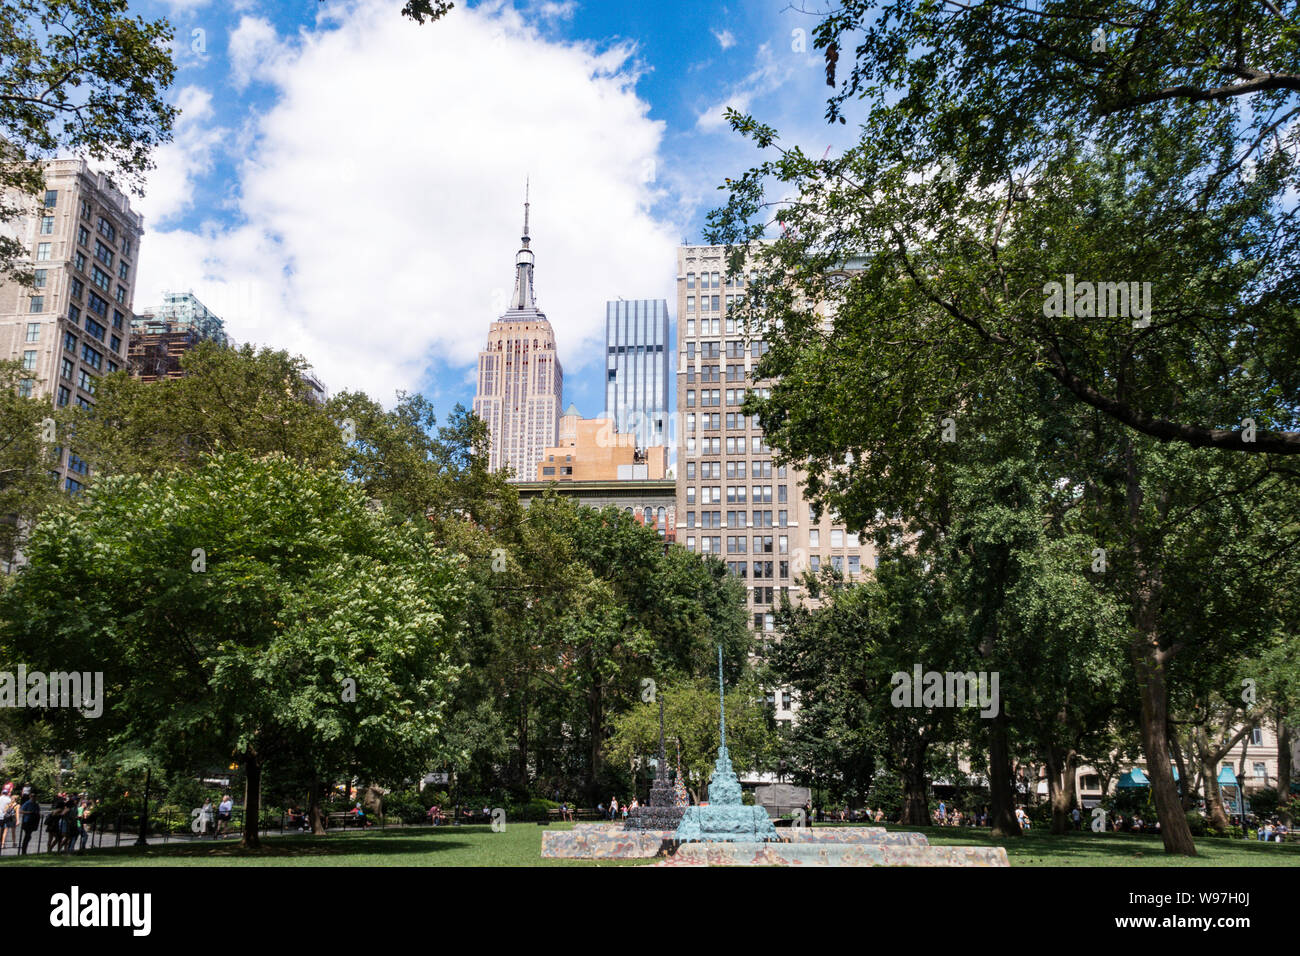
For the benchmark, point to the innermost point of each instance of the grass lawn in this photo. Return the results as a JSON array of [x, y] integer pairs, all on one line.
[[520, 845], [1040, 848]]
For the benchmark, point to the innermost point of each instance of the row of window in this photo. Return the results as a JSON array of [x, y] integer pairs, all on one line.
[[715, 280], [734, 446], [736, 519], [712, 397], [734, 469], [736, 494], [714, 421]]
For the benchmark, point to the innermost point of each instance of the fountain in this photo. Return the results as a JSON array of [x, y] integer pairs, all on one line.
[[662, 811], [725, 817]]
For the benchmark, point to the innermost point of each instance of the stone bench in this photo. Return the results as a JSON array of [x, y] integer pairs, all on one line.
[[832, 854]]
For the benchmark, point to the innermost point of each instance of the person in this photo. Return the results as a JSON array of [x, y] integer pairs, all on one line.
[[31, 818], [1075, 816], [205, 819], [53, 823], [224, 809], [87, 821], [613, 808], [8, 820]]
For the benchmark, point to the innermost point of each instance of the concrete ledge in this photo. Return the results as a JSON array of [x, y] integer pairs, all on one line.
[[875, 835], [603, 843], [832, 854]]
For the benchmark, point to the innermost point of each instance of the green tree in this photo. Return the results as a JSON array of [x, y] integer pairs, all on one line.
[[691, 719], [78, 76], [271, 610], [26, 485]]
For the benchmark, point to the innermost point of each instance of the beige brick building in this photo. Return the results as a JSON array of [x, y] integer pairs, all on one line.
[[733, 501], [590, 449], [72, 325]]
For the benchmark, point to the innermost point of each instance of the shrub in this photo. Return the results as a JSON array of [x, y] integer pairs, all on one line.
[[1196, 822], [1263, 803]]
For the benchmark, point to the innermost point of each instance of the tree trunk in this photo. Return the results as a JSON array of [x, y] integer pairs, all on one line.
[[1184, 782], [916, 804], [252, 799], [1061, 765], [1002, 799], [314, 808], [596, 730], [916, 799], [1150, 661], [1284, 769]]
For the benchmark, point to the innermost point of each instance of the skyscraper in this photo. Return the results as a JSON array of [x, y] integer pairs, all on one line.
[[733, 501], [520, 379], [636, 362], [71, 325]]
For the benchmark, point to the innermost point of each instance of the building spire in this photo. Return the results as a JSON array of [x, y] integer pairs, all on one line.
[[524, 297]]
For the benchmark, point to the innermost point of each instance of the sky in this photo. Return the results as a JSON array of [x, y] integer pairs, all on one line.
[[348, 185]]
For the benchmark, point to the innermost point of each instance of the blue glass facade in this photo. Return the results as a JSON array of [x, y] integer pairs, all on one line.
[[636, 368]]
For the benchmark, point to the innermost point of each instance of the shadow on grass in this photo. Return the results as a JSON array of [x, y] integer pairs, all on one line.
[[287, 846]]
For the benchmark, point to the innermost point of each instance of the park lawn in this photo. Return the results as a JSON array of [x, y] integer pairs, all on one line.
[[1039, 848], [520, 845]]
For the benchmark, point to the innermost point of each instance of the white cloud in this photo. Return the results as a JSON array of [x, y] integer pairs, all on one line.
[[188, 155], [726, 39], [380, 200], [768, 75], [253, 46]]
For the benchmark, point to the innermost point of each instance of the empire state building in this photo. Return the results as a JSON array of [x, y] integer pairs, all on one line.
[[520, 380]]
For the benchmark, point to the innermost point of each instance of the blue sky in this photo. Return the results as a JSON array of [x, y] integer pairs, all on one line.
[[348, 185]]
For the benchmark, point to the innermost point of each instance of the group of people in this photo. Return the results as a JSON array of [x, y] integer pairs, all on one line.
[[223, 812], [614, 809], [67, 825], [1273, 831]]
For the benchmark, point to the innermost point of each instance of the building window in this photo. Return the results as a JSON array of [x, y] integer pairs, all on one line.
[[64, 395], [74, 315], [91, 357], [37, 304], [855, 564], [47, 225], [690, 280], [86, 382], [33, 331], [75, 286], [95, 329], [83, 235], [837, 538], [1259, 771], [39, 278], [73, 485], [51, 198], [66, 370], [29, 359], [1257, 736], [42, 252]]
